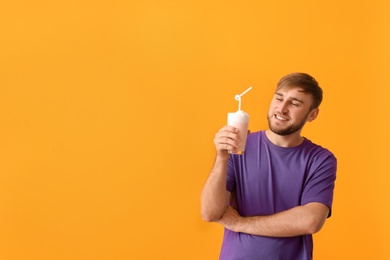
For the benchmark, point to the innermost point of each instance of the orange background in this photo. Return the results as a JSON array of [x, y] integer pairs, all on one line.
[[108, 111]]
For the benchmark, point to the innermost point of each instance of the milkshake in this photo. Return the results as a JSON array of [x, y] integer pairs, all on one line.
[[240, 121]]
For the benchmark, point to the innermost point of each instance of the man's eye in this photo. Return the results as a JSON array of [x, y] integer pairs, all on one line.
[[279, 99], [295, 104]]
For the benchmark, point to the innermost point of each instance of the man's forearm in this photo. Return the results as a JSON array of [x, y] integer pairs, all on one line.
[[215, 197], [301, 220]]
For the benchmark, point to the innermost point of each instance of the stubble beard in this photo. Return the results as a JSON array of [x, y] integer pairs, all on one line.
[[288, 130]]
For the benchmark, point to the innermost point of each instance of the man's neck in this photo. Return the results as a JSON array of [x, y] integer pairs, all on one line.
[[291, 140]]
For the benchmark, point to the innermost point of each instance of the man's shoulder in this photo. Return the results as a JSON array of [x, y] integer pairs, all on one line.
[[316, 148], [256, 134], [319, 155]]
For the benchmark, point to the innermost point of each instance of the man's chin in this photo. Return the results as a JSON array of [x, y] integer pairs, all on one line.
[[283, 131]]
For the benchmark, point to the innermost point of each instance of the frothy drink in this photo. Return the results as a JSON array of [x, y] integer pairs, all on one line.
[[240, 121]]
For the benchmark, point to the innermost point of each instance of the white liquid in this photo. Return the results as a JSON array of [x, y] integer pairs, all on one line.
[[240, 120]]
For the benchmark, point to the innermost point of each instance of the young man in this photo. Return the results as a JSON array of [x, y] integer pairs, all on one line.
[[279, 192]]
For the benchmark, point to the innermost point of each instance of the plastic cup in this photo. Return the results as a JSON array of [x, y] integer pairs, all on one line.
[[239, 120]]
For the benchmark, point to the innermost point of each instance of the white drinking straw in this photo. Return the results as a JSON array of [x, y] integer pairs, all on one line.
[[238, 97]]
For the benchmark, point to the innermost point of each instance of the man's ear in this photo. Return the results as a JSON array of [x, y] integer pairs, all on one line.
[[313, 114]]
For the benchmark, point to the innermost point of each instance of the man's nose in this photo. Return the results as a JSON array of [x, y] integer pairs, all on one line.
[[283, 107]]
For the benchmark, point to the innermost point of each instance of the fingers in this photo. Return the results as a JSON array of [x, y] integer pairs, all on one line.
[[227, 139]]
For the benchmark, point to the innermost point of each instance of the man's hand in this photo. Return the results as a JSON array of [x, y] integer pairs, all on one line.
[[231, 219], [226, 139]]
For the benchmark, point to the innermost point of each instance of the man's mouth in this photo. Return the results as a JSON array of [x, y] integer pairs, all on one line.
[[281, 118]]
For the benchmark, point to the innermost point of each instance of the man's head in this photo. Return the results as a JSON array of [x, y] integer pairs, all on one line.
[[295, 102], [307, 83]]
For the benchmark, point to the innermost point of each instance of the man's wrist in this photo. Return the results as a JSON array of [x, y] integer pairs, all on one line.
[[244, 225], [222, 157]]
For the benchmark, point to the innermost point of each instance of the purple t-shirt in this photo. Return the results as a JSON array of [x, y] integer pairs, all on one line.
[[268, 179]]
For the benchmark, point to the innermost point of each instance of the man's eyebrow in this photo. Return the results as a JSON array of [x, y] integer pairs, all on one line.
[[293, 98]]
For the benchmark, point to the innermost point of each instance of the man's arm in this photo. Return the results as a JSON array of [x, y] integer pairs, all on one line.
[[215, 197], [300, 220]]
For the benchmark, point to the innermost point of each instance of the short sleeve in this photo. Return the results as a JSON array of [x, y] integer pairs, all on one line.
[[320, 184]]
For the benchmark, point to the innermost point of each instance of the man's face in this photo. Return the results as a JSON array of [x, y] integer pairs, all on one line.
[[289, 110]]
